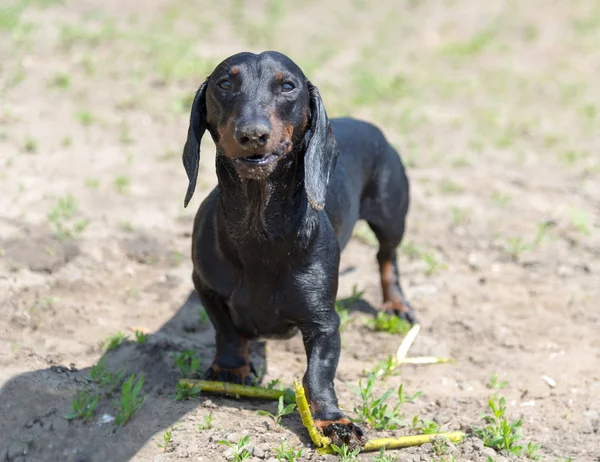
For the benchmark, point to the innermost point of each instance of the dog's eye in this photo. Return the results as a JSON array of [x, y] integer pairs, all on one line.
[[225, 84], [287, 86]]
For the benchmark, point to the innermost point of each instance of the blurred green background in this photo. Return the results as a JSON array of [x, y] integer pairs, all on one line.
[[450, 80]]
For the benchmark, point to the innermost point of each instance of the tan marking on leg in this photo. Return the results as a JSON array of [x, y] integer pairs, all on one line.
[[322, 424], [242, 372], [392, 300]]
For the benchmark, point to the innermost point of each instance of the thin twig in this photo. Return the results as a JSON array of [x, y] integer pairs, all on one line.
[[236, 390], [315, 434], [402, 442], [407, 342], [426, 360]]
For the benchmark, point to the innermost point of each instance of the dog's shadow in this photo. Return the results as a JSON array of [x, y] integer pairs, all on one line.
[[355, 302], [33, 405]]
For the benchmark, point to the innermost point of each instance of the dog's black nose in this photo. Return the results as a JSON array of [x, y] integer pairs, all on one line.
[[253, 135]]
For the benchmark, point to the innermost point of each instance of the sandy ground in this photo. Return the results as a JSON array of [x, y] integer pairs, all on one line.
[[495, 108]]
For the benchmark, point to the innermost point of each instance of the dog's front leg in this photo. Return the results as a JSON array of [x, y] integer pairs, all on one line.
[[232, 361], [322, 343]]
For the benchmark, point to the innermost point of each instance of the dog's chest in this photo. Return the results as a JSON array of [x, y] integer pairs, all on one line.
[[257, 307]]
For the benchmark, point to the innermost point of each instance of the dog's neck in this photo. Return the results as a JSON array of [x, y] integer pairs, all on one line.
[[263, 210]]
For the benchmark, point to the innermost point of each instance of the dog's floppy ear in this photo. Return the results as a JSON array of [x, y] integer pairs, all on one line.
[[191, 150], [321, 152]]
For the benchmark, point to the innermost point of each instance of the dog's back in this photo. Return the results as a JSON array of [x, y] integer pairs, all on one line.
[[369, 181]]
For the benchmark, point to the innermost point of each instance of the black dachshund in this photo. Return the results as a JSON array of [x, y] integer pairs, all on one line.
[[266, 241]]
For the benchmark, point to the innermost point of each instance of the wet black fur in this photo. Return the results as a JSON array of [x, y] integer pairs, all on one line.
[[265, 252]]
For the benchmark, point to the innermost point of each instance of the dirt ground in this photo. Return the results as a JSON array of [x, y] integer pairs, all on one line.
[[495, 107]]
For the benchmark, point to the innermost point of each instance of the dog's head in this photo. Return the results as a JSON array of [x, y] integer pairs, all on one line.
[[258, 108]]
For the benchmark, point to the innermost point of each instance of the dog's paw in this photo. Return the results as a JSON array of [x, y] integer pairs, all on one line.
[[342, 431], [400, 308], [242, 375]]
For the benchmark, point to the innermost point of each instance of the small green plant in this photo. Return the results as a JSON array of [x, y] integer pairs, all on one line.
[[30, 145], [125, 136], [461, 162], [477, 44], [405, 398], [460, 216], [531, 451], [282, 410], [85, 118], [114, 341], [344, 453], [342, 306], [590, 111], [432, 264], [383, 457], [581, 221], [83, 405], [425, 426], [61, 80], [140, 337], [17, 76], [515, 246], [185, 391], [542, 231], [130, 400], [181, 104], [61, 218], [356, 296], [133, 292], [203, 316], [501, 199], [239, 450], [67, 141], [126, 226], [166, 440], [42, 304], [385, 369], [573, 157], [344, 315], [374, 412], [495, 384], [207, 425], [373, 87], [255, 378], [440, 445], [188, 363], [364, 234], [499, 434], [390, 323], [106, 379], [284, 453], [275, 384], [92, 183], [411, 250], [176, 257], [122, 184], [450, 187]]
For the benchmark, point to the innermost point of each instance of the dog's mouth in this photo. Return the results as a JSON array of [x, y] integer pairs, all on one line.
[[259, 159], [266, 158]]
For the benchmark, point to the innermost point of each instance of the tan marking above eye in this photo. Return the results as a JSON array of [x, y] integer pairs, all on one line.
[[279, 76], [235, 71]]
